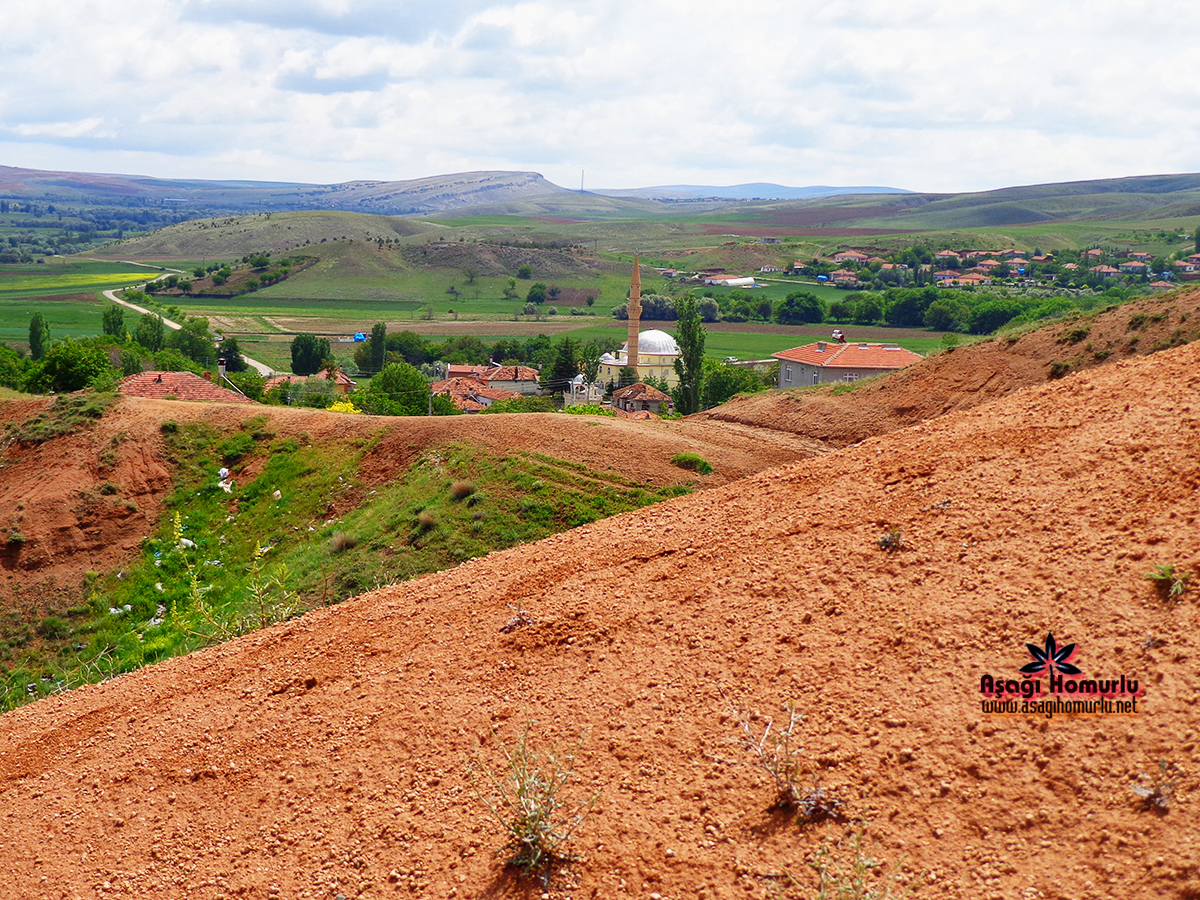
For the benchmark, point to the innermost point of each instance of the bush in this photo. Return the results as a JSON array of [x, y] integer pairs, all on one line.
[[528, 799], [692, 462], [461, 490]]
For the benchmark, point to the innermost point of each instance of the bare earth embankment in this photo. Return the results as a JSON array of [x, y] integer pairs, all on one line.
[[325, 756]]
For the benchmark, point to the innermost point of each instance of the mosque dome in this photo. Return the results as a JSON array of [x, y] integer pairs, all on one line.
[[657, 343]]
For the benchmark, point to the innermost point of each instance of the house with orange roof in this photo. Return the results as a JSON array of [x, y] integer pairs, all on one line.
[[1134, 267], [850, 256], [342, 383], [470, 394], [641, 397], [523, 380], [825, 362], [1106, 271], [177, 386]]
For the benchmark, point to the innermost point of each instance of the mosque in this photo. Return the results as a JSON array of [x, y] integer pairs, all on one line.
[[651, 354]]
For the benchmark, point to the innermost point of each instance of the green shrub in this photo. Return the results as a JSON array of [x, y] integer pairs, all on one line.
[[691, 462], [53, 628]]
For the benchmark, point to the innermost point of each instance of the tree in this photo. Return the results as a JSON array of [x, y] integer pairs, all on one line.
[[565, 367], [510, 292], [150, 332], [377, 347], [39, 336], [868, 310], [709, 309], [989, 316], [69, 365], [309, 353], [525, 271], [722, 381], [398, 390], [537, 293], [194, 342], [800, 308], [406, 346], [842, 310], [232, 354], [689, 365], [946, 314], [112, 321]]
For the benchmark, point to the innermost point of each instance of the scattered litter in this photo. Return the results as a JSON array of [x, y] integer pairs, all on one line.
[[212, 562], [223, 473], [115, 611], [277, 495], [187, 542], [226, 484], [159, 617], [158, 587]]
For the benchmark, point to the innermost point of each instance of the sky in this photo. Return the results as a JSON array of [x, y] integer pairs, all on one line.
[[926, 95]]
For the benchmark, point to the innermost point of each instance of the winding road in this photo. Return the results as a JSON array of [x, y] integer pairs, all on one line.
[[261, 368]]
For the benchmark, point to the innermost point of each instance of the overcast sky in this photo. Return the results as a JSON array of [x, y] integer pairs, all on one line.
[[929, 95]]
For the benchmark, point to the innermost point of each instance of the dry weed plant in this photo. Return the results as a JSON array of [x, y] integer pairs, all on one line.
[[1157, 791], [777, 752], [529, 799], [846, 871]]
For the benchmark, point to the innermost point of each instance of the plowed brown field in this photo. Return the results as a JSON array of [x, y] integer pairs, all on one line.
[[326, 756]]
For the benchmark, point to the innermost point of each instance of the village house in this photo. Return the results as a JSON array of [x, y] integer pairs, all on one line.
[[1134, 267], [470, 394], [177, 386], [1106, 271], [342, 384], [825, 362], [850, 256], [641, 398]]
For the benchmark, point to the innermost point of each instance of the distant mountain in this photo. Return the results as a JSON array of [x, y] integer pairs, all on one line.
[[757, 190], [419, 196]]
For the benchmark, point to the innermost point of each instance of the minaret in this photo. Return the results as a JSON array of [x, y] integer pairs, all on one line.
[[635, 314]]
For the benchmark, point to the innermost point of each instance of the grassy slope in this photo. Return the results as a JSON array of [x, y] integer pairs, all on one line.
[[215, 586]]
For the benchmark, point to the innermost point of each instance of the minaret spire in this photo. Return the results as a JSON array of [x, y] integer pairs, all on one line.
[[635, 314]]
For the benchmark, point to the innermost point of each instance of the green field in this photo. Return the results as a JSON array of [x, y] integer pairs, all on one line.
[[66, 292], [62, 277]]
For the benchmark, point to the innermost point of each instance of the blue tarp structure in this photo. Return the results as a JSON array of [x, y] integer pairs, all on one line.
[[359, 336]]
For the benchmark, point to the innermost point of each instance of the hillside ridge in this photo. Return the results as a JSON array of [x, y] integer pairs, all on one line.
[[327, 755]]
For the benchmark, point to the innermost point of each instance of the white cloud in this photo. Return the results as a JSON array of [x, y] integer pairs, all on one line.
[[924, 94]]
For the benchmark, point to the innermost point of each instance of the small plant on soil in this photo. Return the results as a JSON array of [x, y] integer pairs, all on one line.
[[891, 541], [692, 462], [530, 799], [1168, 581], [1156, 791], [777, 752], [846, 871]]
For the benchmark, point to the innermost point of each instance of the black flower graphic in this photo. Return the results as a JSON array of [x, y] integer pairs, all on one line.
[[1051, 656]]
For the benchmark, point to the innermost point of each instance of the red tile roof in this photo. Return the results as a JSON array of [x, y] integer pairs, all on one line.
[[850, 356], [179, 386], [340, 378], [641, 391], [466, 393], [512, 373]]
